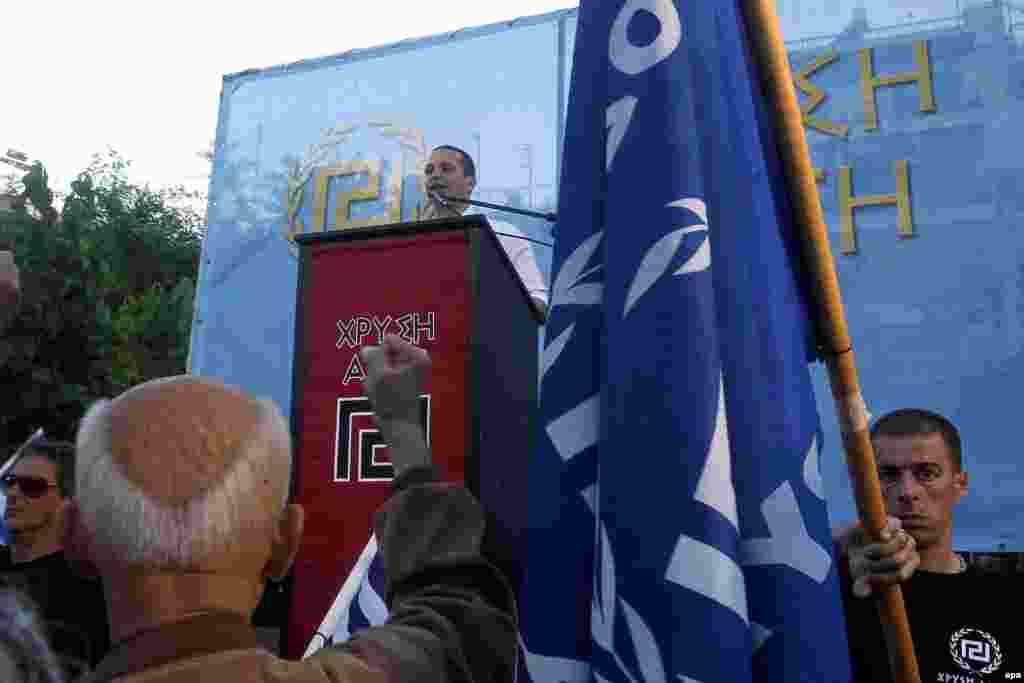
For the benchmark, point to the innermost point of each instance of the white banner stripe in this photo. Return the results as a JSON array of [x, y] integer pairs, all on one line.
[[707, 570], [576, 430]]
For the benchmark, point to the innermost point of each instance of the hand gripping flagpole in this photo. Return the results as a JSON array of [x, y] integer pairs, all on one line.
[[763, 27]]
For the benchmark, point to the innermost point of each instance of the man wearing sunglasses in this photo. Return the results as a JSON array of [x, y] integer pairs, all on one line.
[[72, 608]]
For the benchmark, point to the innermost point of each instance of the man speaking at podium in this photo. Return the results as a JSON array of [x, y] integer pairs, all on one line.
[[451, 172]]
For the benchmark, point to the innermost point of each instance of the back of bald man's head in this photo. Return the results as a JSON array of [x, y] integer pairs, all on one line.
[[174, 468]]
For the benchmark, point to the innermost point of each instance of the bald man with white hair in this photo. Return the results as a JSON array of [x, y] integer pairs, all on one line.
[[182, 508]]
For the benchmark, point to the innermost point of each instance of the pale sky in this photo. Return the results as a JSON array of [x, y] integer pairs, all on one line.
[[145, 77]]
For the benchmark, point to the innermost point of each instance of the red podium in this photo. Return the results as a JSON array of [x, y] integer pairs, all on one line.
[[445, 285]]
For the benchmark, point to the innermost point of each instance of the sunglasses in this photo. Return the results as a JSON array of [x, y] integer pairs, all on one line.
[[33, 487]]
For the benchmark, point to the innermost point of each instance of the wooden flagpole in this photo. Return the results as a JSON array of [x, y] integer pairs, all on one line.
[[763, 26]]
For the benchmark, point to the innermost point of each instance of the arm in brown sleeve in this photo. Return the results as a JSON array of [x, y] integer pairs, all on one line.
[[453, 616]]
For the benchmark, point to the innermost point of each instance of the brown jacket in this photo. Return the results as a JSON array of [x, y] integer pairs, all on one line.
[[452, 613]]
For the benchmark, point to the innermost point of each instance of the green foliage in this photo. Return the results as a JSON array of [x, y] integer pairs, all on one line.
[[107, 292]]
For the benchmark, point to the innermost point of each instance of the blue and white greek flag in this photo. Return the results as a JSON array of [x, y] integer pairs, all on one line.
[[678, 524], [358, 605]]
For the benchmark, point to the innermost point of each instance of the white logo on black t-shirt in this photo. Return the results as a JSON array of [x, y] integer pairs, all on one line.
[[975, 650]]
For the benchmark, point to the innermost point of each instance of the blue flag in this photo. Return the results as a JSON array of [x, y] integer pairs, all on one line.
[[678, 522]]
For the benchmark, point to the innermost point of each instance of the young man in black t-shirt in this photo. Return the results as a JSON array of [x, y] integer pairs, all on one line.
[[72, 608], [965, 625]]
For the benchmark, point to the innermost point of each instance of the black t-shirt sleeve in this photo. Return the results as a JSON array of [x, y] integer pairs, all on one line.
[[86, 633], [86, 620]]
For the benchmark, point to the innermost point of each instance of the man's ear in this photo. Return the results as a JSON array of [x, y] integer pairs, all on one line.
[[960, 482], [286, 543], [472, 183], [76, 542]]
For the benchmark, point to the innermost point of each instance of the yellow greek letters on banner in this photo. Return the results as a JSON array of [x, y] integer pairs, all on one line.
[[311, 167], [369, 192], [817, 96], [870, 83], [848, 203]]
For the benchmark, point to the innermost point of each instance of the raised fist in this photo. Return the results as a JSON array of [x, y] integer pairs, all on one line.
[[396, 372]]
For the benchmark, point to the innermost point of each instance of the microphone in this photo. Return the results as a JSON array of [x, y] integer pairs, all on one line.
[[440, 199], [444, 199]]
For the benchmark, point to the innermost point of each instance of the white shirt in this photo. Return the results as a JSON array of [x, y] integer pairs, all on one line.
[[518, 249], [520, 253]]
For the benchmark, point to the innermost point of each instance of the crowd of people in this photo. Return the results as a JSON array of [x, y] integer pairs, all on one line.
[[140, 551], [179, 515]]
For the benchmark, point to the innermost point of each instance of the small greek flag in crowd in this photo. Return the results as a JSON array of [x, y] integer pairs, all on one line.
[[678, 524], [358, 605]]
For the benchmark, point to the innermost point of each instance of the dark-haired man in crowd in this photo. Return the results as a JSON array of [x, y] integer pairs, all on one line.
[[37, 489], [451, 173], [963, 624]]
